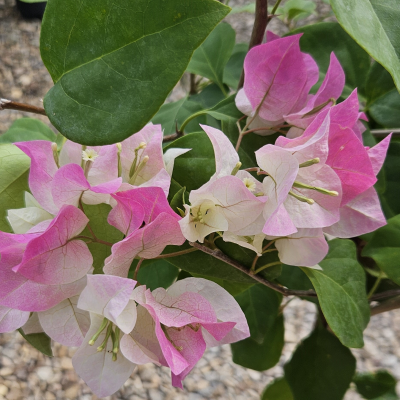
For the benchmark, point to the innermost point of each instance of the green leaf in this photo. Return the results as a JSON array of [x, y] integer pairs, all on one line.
[[388, 185], [40, 341], [384, 248], [171, 114], [372, 386], [226, 110], [383, 98], [234, 67], [155, 273], [374, 26], [278, 389], [103, 230], [297, 9], [260, 306], [14, 171], [250, 143], [207, 266], [379, 82], [294, 278], [25, 129], [250, 354], [177, 201], [210, 58], [194, 168], [114, 64], [386, 109], [340, 287], [321, 39], [320, 368], [209, 96]]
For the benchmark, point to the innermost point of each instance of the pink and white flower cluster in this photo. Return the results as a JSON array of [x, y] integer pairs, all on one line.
[[318, 180], [46, 265]]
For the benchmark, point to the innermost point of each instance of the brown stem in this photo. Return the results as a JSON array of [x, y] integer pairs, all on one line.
[[388, 305], [260, 24], [223, 257], [137, 268], [13, 105], [171, 137], [193, 85], [384, 295]]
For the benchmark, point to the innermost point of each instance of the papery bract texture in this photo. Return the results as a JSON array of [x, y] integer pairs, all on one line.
[[54, 258], [97, 368]]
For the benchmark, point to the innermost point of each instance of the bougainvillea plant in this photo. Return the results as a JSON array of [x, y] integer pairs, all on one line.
[[146, 233]]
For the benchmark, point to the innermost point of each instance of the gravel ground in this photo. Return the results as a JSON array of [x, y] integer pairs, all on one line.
[[27, 374]]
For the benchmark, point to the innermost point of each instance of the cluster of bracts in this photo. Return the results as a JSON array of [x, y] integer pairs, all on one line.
[[317, 183]]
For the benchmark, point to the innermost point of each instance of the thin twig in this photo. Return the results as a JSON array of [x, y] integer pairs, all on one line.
[[178, 253], [384, 132], [388, 305], [259, 27], [13, 105], [384, 295], [223, 257], [193, 85], [173, 136], [137, 268]]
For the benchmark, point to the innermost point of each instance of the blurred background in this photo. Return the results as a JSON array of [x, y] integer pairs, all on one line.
[[27, 374]]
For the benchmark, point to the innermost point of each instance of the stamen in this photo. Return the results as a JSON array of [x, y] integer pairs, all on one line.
[[142, 145], [304, 199], [97, 334], [55, 154], [309, 162], [318, 189], [108, 334], [250, 184], [116, 340], [236, 169], [119, 147], [138, 169]]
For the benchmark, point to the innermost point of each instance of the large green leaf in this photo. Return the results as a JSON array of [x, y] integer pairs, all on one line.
[[373, 386], [374, 26], [279, 389], [14, 171], [103, 230], [388, 185], [384, 248], [210, 58], [155, 273], [341, 292], [383, 99], [379, 82], [386, 109], [174, 114], [234, 67], [200, 263], [321, 39], [294, 278], [320, 368], [25, 129], [194, 168], [260, 306], [113, 65], [250, 354], [40, 341]]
